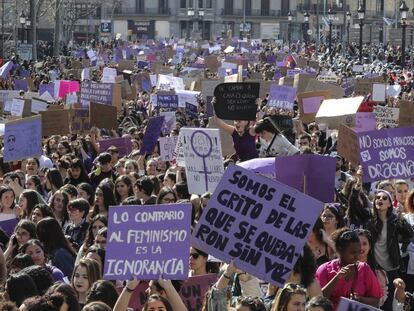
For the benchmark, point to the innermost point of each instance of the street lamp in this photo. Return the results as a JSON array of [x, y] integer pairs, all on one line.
[[289, 16], [361, 16], [404, 13], [22, 19], [331, 15], [348, 20], [306, 20]]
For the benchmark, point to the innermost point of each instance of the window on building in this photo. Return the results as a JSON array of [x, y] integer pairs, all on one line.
[[200, 3], [163, 6], [284, 9], [209, 4], [183, 4], [248, 4], [140, 6], [228, 7], [265, 8]]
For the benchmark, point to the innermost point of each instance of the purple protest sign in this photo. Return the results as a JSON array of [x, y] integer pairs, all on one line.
[[312, 104], [9, 225], [311, 174], [148, 241], [193, 290], [96, 92], [50, 88], [261, 166], [346, 304], [281, 96], [259, 223], [21, 85], [123, 144], [387, 153], [169, 102], [191, 110], [365, 121], [24, 73], [152, 133]]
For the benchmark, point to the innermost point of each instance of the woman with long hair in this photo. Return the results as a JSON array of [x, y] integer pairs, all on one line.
[[34, 182], [123, 188], [7, 203], [104, 197], [291, 297], [77, 173], [54, 180], [23, 232], [166, 195], [27, 201], [59, 203], [57, 247]]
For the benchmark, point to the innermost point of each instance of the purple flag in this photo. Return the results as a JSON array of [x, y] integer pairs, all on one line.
[[152, 133], [5, 70], [148, 241], [311, 174], [387, 153], [247, 216]]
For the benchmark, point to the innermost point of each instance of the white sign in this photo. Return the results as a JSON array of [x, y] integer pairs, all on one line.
[[203, 159], [179, 150], [167, 83], [185, 96], [17, 107], [387, 115], [170, 121], [393, 90], [378, 92], [109, 75], [38, 105], [167, 147]]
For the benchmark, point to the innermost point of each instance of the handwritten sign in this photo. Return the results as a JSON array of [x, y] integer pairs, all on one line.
[[38, 105], [282, 97], [23, 139], [79, 121], [248, 216], [167, 102], [167, 147], [236, 101], [387, 153], [151, 135], [387, 115], [193, 290], [168, 83], [96, 92], [203, 159], [148, 241]]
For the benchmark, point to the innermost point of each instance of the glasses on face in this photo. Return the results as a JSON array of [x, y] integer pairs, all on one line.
[[383, 197], [194, 255]]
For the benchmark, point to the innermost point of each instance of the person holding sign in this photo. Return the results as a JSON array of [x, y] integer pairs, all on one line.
[[272, 142], [244, 138], [345, 276]]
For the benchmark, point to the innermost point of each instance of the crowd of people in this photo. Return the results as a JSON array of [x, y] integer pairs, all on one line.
[[361, 247]]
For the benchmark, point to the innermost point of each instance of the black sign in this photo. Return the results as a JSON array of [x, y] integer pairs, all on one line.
[[236, 101], [106, 26], [142, 29]]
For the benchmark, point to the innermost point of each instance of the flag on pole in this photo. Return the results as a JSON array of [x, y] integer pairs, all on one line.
[[5, 69]]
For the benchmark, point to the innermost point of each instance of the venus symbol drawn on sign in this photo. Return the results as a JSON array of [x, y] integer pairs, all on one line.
[[204, 152]]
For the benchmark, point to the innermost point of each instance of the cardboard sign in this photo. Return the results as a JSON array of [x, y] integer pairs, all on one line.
[[149, 241], [123, 144], [333, 112], [211, 62], [230, 228], [23, 139], [79, 121], [387, 153], [311, 174], [55, 122], [335, 90], [194, 289], [170, 121], [346, 304], [167, 147], [348, 144], [203, 159], [102, 116], [406, 113], [300, 81], [363, 87], [393, 90], [152, 133], [9, 225], [17, 107], [387, 115], [236, 101], [309, 103], [282, 97]]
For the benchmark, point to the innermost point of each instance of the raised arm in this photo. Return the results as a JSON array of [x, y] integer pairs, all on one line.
[[123, 299], [223, 125], [172, 295]]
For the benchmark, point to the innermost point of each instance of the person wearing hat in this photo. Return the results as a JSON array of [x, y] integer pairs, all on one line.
[[103, 170]]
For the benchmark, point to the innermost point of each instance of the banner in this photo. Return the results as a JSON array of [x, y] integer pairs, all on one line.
[[282, 97], [236, 101], [259, 223], [203, 159], [152, 133], [148, 241], [167, 147], [22, 139], [387, 153]]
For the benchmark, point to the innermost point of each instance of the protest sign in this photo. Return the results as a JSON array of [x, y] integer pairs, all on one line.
[[348, 84], [170, 121], [287, 81], [300, 81], [194, 289], [102, 116], [335, 90], [406, 113], [9, 225], [167, 83], [211, 62], [103, 93], [191, 110], [109, 75], [309, 103], [329, 78], [365, 121], [208, 87], [387, 115], [393, 90], [17, 107], [55, 122], [148, 241], [21, 85], [167, 101], [378, 92], [203, 159], [363, 87], [248, 216], [333, 112], [6, 97], [23, 139], [179, 151], [167, 147], [236, 101], [282, 97], [231, 78], [67, 87], [348, 144], [38, 105], [151, 135], [387, 153], [185, 96], [123, 144], [311, 174], [79, 121], [346, 304]]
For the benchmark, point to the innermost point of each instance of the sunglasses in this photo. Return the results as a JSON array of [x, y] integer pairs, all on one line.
[[383, 197], [194, 255]]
